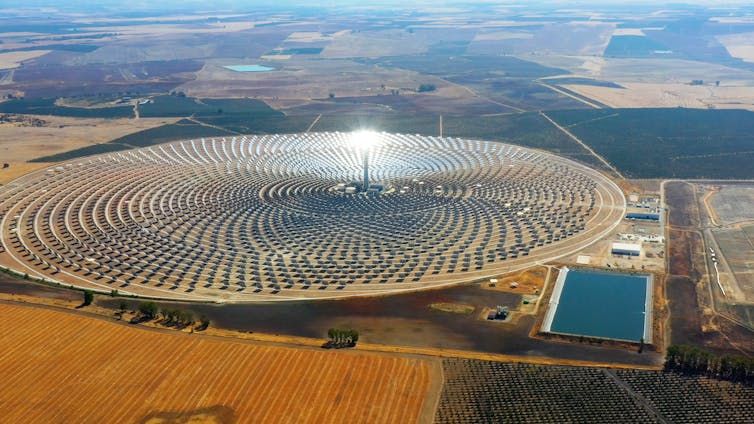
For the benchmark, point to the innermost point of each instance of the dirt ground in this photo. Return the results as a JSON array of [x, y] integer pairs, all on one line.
[[650, 70], [18, 169], [21, 144], [528, 281], [11, 287], [376, 44], [681, 94], [685, 247], [682, 210], [14, 59], [656, 82], [732, 203], [693, 318], [727, 210], [739, 45], [641, 185], [600, 253], [736, 261], [453, 308]]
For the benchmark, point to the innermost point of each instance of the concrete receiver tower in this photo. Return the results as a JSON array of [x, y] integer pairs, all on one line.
[[364, 141], [366, 169]]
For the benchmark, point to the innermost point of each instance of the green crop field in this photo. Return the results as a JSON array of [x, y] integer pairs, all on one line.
[[81, 48], [633, 46], [259, 124], [167, 106], [48, 107], [668, 143]]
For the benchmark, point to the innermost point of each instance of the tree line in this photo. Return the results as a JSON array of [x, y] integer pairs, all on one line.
[[149, 311], [341, 338], [692, 360]]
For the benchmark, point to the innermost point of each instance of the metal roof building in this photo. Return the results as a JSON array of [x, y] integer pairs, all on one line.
[[641, 215], [626, 249]]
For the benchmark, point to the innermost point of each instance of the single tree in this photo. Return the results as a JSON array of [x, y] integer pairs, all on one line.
[[88, 297], [204, 320], [187, 318], [148, 310]]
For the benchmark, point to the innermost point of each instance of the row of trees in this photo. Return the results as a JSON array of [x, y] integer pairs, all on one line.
[[149, 311], [692, 360], [342, 337], [177, 317], [146, 311]]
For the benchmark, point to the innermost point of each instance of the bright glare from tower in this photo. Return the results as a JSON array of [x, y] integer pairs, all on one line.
[[364, 140]]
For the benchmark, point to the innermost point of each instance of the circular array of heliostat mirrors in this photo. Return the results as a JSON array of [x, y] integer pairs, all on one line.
[[280, 217]]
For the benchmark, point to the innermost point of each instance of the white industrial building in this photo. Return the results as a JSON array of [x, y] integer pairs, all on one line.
[[626, 249]]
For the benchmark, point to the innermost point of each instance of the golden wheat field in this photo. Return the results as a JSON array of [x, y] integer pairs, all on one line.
[[61, 367]]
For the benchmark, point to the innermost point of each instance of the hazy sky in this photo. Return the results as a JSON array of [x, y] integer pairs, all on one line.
[[217, 4]]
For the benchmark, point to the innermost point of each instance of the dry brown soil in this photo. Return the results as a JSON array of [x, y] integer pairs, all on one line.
[[692, 318], [21, 144], [530, 281], [90, 370]]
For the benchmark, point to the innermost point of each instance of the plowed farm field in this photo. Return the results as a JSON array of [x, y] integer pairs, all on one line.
[[62, 367]]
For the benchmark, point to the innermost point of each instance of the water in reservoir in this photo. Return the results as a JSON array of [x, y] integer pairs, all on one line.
[[249, 68], [604, 304]]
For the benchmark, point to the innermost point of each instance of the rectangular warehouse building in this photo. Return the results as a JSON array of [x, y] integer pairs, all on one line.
[[642, 215], [626, 249]]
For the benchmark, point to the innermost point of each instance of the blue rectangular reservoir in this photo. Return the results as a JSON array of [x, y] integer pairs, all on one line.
[[249, 68], [605, 304]]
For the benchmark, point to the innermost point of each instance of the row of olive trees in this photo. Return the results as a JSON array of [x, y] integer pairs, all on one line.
[[692, 360], [149, 311], [177, 316], [340, 337]]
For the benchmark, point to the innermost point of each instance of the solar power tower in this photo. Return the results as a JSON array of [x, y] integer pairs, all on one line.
[[363, 141], [365, 152]]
